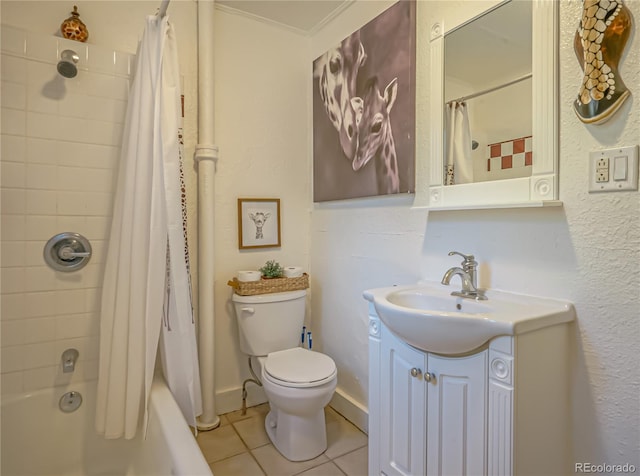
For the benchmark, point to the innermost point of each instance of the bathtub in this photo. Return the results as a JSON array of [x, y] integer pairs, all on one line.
[[39, 439]]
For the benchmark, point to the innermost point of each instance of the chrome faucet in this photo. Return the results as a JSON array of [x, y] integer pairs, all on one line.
[[69, 358], [468, 276]]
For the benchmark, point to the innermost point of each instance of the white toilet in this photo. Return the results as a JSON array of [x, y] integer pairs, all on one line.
[[298, 382]]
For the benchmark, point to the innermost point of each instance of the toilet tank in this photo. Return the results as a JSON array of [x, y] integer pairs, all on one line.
[[269, 322]]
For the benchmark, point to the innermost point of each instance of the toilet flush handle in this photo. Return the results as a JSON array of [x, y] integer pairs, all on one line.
[[248, 310]]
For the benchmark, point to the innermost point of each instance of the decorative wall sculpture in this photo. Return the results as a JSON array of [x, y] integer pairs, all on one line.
[[364, 110], [599, 45]]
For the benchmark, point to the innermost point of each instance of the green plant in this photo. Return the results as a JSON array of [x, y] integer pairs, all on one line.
[[272, 269]]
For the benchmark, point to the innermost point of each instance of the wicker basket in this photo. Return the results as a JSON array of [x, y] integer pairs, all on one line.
[[269, 285]]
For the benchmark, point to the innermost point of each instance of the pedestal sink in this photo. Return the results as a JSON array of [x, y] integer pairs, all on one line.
[[426, 316]]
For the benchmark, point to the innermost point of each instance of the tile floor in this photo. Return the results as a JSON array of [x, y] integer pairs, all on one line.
[[240, 446]]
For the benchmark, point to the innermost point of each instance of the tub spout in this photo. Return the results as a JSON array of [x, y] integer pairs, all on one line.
[[69, 358]]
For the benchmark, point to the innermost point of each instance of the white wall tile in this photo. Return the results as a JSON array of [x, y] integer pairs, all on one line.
[[40, 73], [43, 126], [69, 327], [13, 40], [39, 378], [12, 306], [74, 223], [12, 174], [41, 227], [39, 329], [13, 280], [11, 383], [101, 59], [93, 298], [122, 63], [42, 47], [38, 101], [90, 369], [13, 201], [13, 253], [71, 302], [98, 228], [14, 69], [34, 250], [13, 122], [42, 202], [99, 204], [75, 105], [41, 151], [39, 354], [14, 148], [13, 95], [72, 203], [12, 332], [13, 227], [41, 177], [39, 304], [12, 358], [87, 347], [72, 129], [39, 278]]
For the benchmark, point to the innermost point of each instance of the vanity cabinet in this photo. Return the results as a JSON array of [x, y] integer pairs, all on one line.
[[503, 410]]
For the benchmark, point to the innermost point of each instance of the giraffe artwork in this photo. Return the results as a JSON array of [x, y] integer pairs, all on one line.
[[336, 72], [375, 138], [363, 136]]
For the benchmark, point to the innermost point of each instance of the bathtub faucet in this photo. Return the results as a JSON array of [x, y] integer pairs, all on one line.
[[69, 358]]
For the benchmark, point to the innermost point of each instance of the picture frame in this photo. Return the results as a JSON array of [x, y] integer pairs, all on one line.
[[258, 223]]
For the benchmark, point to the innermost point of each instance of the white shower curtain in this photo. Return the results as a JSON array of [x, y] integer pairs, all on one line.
[[459, 162], [146, 279]]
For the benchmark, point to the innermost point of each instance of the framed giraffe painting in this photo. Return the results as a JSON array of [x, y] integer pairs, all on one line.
[[364, 110], [258, 223]]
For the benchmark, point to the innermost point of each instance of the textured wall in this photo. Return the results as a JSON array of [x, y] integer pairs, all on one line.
[[588, 251]]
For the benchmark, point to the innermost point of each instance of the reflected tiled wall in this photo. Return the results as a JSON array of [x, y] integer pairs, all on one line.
[[60, 149]]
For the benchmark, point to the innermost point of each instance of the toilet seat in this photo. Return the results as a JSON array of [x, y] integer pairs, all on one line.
[[299, 368]]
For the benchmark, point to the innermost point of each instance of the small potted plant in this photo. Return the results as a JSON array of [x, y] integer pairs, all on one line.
[[272, 269]]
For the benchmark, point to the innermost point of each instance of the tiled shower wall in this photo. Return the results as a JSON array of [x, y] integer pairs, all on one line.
[[60, 149]]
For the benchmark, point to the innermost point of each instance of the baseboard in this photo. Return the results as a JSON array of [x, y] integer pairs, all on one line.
[[352, 410], [230, 400]]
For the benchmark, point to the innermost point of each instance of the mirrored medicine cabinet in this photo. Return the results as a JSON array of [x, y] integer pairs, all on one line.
[[493, 112]]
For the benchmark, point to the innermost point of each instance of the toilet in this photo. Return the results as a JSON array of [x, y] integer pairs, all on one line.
[[298, 382]]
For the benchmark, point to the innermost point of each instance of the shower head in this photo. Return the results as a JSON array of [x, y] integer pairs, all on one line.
[[67, 64]]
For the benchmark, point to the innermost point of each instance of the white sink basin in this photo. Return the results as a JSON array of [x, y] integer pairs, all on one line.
[[426, 316]]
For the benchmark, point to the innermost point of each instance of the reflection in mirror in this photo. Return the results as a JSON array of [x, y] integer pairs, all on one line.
[[488, 96]]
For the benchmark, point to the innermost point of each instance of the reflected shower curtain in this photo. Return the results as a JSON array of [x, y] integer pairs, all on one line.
[[146, 290], [459, 166]]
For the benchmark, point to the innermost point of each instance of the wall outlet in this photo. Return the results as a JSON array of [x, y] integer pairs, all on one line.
[[602, 175], [613, 170]]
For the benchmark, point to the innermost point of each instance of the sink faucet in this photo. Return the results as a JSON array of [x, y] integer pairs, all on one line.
[[468, 276]]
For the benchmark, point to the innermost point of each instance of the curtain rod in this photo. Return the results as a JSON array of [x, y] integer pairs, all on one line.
[[490, 90], [162, 11]]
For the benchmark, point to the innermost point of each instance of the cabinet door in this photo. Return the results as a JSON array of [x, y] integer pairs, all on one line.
[[456, 420], [402, 408]]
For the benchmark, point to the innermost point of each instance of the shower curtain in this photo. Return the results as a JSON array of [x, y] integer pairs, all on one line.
[[146, 290], [459, 164]]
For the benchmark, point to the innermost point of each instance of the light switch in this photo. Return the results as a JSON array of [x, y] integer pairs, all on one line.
[[620, 168]]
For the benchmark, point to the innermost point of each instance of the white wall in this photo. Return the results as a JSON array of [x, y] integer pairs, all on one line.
[[588, 251], [261, 116]]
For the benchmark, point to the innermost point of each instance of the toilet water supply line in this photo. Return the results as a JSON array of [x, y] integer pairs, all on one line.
[[206, 155]]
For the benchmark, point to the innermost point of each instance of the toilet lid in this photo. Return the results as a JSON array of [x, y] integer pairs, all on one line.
[[299, 366]]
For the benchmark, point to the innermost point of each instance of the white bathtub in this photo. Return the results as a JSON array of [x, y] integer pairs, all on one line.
[[39, 439]]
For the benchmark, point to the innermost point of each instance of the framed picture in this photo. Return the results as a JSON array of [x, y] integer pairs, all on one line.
[[258, 223], [364, 110]]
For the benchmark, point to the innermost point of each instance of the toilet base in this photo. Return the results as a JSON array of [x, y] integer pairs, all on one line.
[[297, 438]]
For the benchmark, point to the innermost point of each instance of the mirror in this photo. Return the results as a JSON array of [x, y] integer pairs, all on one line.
[[494, 108]]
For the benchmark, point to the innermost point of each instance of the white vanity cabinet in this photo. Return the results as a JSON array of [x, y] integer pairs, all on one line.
[[503, 410]]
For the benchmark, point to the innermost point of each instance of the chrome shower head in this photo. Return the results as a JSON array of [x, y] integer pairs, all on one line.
[[67, 64]]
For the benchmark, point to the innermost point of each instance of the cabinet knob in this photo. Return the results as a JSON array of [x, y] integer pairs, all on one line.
[[428, 377], [415, 372]]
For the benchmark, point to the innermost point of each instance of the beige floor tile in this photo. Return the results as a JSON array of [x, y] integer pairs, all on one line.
[[240, 465], [275, 464], [355, 463], [258, 410], [220, 443], [252, 431], [342, 436], [327, 469]]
